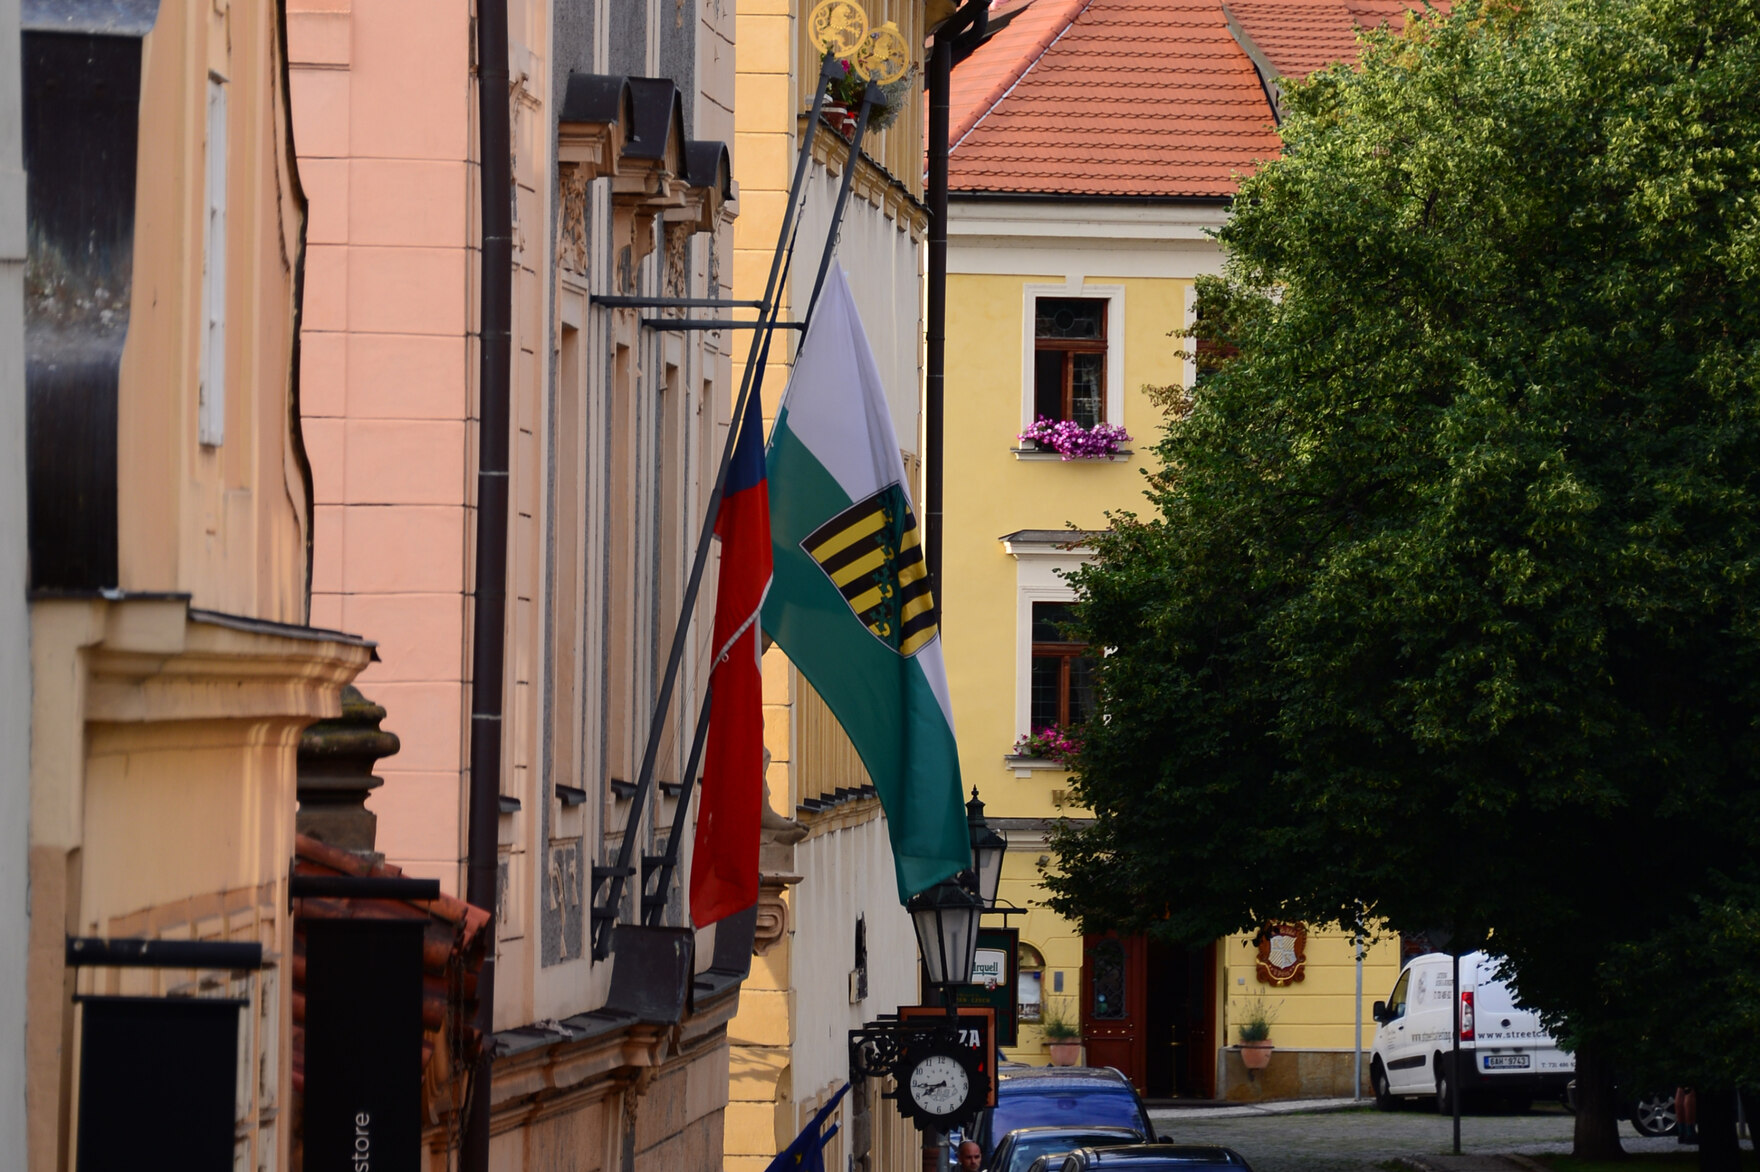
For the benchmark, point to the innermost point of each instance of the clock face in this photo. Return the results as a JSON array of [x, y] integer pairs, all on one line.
[[939, 1084]]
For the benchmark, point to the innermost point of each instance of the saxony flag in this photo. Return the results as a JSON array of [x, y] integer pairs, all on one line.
[[850, 603]]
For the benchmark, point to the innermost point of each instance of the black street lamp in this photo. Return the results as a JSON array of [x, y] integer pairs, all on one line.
[[988, 847], [946, 920]]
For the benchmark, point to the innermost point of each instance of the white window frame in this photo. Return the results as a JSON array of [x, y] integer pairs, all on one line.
[[1113, 295], [1039, 577], [211, 369]]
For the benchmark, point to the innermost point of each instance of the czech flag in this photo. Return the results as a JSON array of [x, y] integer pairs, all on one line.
[[724, 865]]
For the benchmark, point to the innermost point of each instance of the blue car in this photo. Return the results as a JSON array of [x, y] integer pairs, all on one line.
[[1162, 1157], [1067, 1097]]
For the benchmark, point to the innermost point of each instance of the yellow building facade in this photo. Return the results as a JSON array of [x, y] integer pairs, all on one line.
[[1123, 274], [834, 948]]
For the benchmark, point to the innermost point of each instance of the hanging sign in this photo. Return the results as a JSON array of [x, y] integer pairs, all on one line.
[[363, 1052], [157, 1078]]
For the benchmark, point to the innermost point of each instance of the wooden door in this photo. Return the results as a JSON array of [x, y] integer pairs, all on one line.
[[1198, 1036], [1115, 1023]]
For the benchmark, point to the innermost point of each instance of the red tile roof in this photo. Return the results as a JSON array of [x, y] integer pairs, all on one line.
[[1134, 97], [1301, 36]]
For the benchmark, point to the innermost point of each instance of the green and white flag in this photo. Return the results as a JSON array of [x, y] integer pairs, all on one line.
[[850, 602]]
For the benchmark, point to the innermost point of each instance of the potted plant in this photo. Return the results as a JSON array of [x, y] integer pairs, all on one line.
[[1049, 743], [1063, 1038], [843, 97], [1075, 442], [1254, 1029]]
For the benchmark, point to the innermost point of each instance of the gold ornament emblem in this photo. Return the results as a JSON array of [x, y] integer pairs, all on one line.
[[883, 56], [838, 27]]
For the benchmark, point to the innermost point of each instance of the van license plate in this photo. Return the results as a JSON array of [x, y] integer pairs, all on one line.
[[1506, 1062]]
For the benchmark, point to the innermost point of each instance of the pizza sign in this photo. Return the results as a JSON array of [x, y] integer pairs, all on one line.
[[1283, 956]]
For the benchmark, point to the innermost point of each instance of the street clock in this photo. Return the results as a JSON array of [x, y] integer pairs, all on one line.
[[941, 1083]]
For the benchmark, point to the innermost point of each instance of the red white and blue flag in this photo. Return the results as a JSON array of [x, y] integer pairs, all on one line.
[[724, 865]]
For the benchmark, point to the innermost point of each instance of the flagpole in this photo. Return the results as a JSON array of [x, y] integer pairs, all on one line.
[[605, 915], [687, 787]]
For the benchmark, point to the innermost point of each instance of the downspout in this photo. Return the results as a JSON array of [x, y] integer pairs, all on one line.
[[489, 591], [976, 15]]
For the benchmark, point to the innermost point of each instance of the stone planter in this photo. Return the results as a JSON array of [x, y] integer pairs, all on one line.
[[1065, 1052], [1256, 1055]]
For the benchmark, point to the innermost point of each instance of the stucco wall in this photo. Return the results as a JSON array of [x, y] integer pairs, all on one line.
[[382, 115], [990, 492], [225, 522], [15, 681]]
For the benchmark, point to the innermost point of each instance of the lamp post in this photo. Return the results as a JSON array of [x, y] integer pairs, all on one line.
[[988, 847], [946, 920]]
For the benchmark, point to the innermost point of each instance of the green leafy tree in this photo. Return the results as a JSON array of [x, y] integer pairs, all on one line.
[[1445, 610]]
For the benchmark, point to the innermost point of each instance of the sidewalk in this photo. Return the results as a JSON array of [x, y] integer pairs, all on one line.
[[1472, 1163], [1160, 1115]]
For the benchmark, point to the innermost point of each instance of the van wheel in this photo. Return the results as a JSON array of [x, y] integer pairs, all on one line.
[[1384, 1096], [1653, 1115], [1445, 1092]]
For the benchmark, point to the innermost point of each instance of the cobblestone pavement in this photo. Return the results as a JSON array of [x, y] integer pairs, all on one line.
[[1364, 1139]]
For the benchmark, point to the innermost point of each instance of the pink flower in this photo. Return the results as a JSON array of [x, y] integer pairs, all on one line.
[[1076, 442]]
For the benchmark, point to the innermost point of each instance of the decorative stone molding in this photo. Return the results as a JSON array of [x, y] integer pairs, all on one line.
[[777, 836], [336, 760], [678, 255], [571, 244], [772, 910]]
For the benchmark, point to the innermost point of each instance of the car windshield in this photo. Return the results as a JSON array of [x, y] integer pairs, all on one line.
[[1067, 1108], [1030, 1148]]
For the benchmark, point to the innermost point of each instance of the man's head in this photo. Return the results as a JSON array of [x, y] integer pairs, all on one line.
[[971, 1156]]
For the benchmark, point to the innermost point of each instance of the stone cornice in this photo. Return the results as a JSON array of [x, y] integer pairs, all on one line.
[[153, 659]]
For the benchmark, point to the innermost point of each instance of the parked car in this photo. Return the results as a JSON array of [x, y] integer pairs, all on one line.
[[1057, 1096], [1148, 1157], [1016, 1151], [1505, 1051], [1651, 1115]]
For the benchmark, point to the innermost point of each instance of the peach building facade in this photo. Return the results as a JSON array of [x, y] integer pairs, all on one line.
[[610, 1011], [170, 645]]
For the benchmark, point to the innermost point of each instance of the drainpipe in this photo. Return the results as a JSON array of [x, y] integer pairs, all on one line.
[[975, 14], [489, 592]]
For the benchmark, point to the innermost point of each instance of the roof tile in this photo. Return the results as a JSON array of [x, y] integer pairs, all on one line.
[[1135, 97]]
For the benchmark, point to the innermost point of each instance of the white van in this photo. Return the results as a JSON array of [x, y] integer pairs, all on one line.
[[1505, 1051]]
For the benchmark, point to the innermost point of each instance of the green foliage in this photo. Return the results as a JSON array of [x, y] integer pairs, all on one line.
[[1255, 1019], [1058, 1028], [1446, 612]]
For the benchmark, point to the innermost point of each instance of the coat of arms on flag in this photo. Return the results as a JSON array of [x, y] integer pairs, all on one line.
[[873, 555]]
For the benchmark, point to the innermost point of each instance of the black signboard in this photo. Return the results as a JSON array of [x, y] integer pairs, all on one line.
[[157, 1079], [363, 1053], [995, 975]]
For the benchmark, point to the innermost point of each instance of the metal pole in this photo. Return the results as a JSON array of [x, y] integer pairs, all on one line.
[[663, 701], [1357, 1079], [934, 1145], [687, 786], [1454, 1062], [935, 323], [489, 588], [869, 96]]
